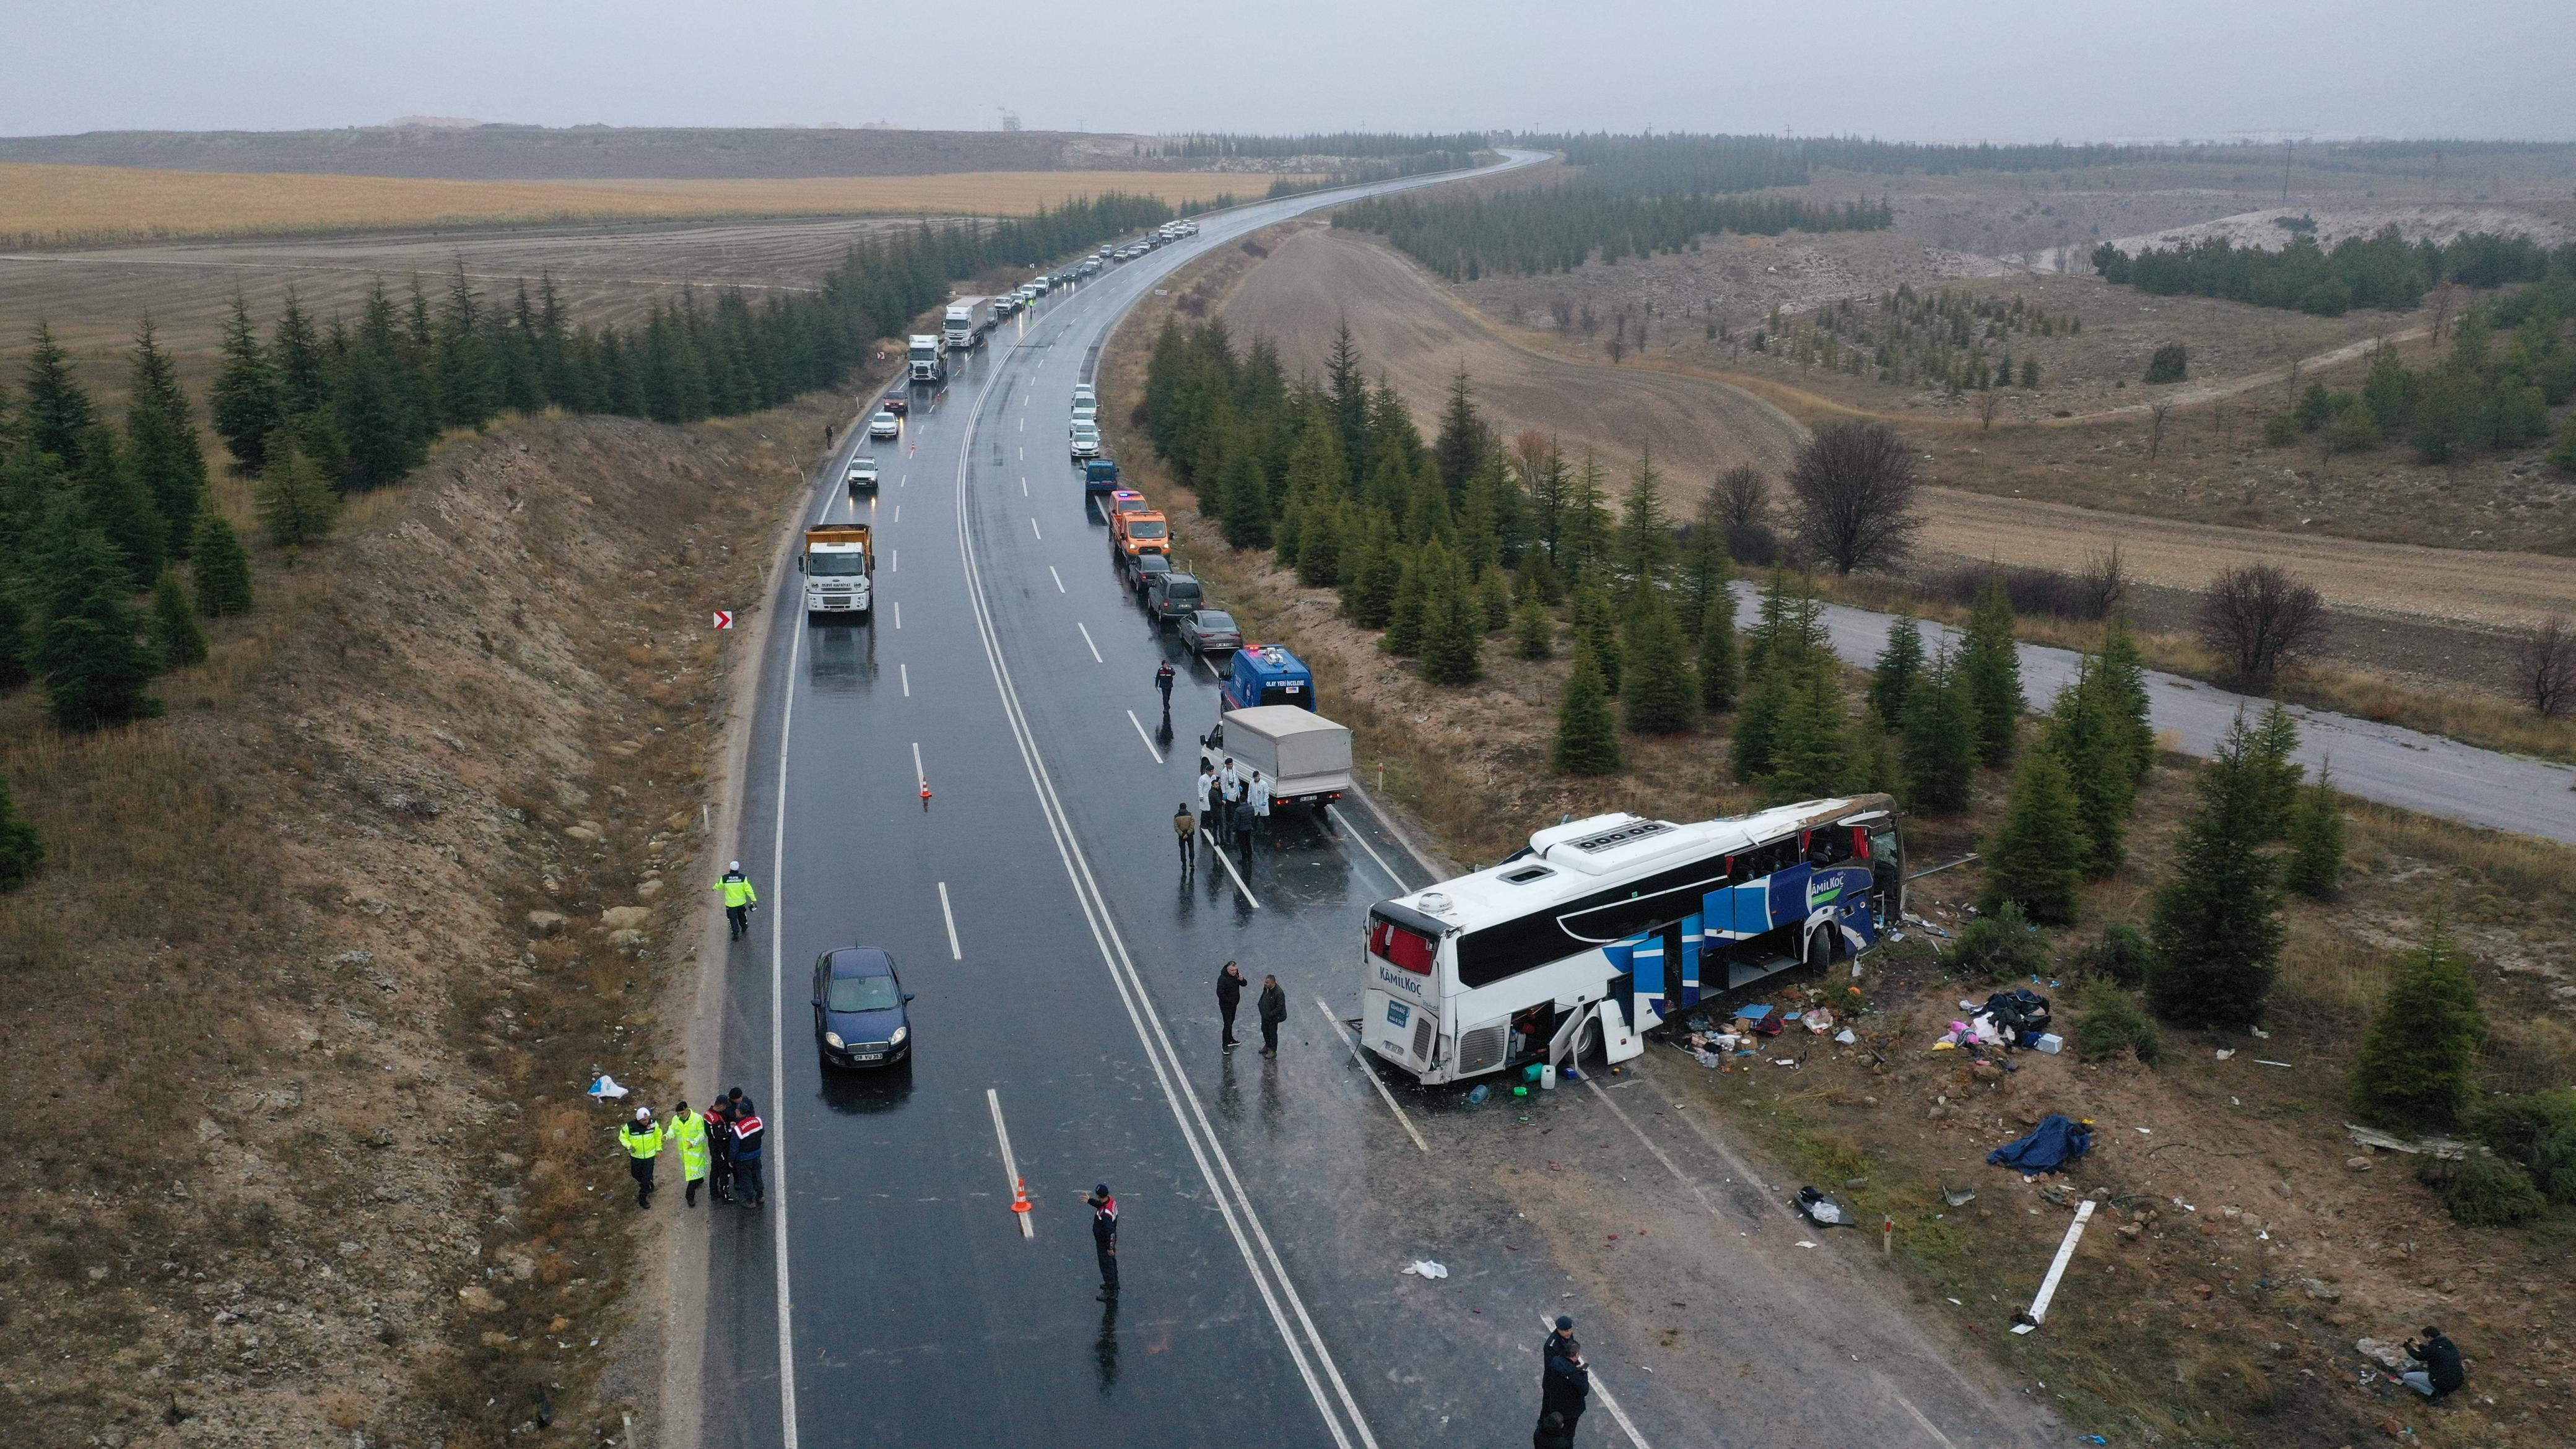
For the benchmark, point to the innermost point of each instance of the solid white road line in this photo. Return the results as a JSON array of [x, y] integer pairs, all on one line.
[[950, 917], [917, 772], [904, 673], [1210, 668], [778, 1057], [1148, 739], [1010, 1164], [1207, 1150], [1086, 639], [1601, 1391], [1230, 870], [1371, 1073], [1033, 528], [1348, 829], [1059, 578]]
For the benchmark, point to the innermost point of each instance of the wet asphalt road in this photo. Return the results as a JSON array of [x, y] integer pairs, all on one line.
[[1064, 968]]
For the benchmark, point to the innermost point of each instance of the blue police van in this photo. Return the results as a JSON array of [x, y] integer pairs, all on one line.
[[1099, 475], [1267, 674]]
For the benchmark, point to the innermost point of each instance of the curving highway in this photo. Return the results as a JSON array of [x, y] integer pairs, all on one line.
[[1065, 1034]]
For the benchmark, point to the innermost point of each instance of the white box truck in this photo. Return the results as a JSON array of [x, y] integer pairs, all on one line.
[[1305, 757], [969, 318], [929, 353]]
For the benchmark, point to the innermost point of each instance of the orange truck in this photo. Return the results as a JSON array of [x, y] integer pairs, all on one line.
[[1141, 532]]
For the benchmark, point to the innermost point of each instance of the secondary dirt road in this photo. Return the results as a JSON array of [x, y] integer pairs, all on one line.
[[1411, 329]]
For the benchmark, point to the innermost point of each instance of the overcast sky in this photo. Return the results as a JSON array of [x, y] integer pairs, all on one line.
[[1897, 69]]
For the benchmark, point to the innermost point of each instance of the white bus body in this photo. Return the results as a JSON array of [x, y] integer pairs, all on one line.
[[1619, 922]]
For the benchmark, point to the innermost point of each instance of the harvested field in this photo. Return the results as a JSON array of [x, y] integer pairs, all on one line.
[[52, 206], [1407, 325]]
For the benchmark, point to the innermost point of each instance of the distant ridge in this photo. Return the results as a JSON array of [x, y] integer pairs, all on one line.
[[434, 146]]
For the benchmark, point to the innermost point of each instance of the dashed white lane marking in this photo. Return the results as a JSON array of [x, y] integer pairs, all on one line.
[[1024, 488], [1059, 578], [1086, 641], [1033, 528], [1255, 901], [1010, 1164], [894, 560], [950, 917], [898, 613], [898, 513], [904, 673], [1375, 1080], [1601, 1391], [1148, 739], [1336, 812]]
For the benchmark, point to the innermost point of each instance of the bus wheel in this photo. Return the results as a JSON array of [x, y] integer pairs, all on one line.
[[1820, 947]]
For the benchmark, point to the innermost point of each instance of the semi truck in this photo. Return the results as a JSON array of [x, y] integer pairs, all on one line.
[[1305, 757], [929, 352], [969, 318], [839, 564]]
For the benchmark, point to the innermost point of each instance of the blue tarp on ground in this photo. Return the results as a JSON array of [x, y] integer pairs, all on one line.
[[2051, 1145]]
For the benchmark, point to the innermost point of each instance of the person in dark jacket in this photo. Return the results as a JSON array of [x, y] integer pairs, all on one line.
[[2442, 1374], [1565, 1385], [1274, 1010], [1186, 826], [748, 1131], [1163, 682], [719, 1115], [1229, 995], [1552, 1432], [1104, 1239]]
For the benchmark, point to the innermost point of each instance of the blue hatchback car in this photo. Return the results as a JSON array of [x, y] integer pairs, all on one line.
[[859, 1016]]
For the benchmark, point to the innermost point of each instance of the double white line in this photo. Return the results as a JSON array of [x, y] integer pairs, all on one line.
[[1305, 1345]]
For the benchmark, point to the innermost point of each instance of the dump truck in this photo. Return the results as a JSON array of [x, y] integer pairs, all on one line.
[[839, 564], [1305, 757]]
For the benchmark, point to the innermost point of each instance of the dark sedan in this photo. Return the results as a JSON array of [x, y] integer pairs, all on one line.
[[859, 1016]]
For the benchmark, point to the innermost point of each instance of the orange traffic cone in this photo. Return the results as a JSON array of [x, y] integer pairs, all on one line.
[[925, 797], [1020, 1197]]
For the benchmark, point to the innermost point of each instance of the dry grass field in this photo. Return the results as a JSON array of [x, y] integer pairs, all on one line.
[[48, 206]]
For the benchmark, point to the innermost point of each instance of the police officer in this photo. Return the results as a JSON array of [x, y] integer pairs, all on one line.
[[1104, 1239], [691, 1131], [1163, 682], [642, 1139], [719, 1121], [748, 1131], [739, 898]]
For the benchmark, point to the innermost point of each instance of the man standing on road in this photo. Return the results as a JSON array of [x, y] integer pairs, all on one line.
[[739, 898], [1274, 1010], [719, 1118], [1256, 811], [1163, 682], [642, 1139], [1104, 1239], [690, 1129], [1207, 798], [1229, 781], [1185, 825], [748, 1130], [1229, 995], [1566, 1383]]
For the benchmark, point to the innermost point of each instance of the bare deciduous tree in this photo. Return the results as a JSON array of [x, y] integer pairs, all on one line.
[[1989, 403], [2102, 585], [2545, 667], [2157, 412], [1740, 498], [1563, 311], [2260, 619], [1852, 489], [1591, 322], [1618, 346]]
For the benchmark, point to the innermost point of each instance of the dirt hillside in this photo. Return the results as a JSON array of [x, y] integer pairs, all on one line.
[[1407, 325], [321, 961]]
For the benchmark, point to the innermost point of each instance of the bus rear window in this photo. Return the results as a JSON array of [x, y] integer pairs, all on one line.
[[1397, 946]]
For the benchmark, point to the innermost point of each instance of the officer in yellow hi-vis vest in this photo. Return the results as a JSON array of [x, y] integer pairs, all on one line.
[[642, 1139], [691, 1131], [739, 898]]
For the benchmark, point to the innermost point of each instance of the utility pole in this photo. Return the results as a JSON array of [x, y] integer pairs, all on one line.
[[2288, 150]]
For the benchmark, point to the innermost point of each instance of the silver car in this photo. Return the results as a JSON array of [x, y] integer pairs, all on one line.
[[1210, 631]]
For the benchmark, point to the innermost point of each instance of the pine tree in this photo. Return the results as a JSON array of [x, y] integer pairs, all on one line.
[[2217, 926], [222, 567], [1583, 524], [1453, 633], [1494, 599], [1596, 624], [1991, 664], [1381, 575], [17, 638], [22, 849], [1898, 666], [1706, 571], [1645, 538], [2315, 864], [56, 413], [1460, 449], [1411, 608], [1875, 766], [175, 630], [1319, 542], [1810, 751], [2036, 855], [1939, 739], [296, 352], [2415, 1070], [90, 650], [1245, 492], [1587, 737], [2277, 776], [1533, 631], [2124, 683], [161, 441], [247, 401], [115, 502], [295, 504], [2084, 732], [1718, 667], [1758, 725], [1658, 694]]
